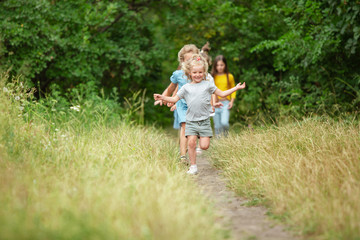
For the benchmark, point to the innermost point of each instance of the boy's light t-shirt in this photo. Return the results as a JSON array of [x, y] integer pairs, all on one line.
[[197, 97]]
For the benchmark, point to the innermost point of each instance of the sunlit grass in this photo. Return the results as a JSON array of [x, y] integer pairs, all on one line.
[[308, 173], [61, 181]]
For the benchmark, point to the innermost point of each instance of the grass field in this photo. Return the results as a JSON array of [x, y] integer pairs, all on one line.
[[85, 173], [60, 180], [307, 172]]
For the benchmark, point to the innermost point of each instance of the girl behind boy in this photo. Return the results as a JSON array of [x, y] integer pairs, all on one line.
[[197, 94], [178, 80]]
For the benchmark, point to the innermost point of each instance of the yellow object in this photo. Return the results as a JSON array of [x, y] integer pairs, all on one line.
[[222, 84]]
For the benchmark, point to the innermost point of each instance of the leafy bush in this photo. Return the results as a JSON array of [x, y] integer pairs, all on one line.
[[298, 57]]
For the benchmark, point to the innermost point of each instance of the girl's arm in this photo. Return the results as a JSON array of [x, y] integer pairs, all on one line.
[[231, 103], [175, 91], [173, 95], [165, 98], [212, 102], [229, 91], [167, 92], [215, 102], [233, 95], [170, 89]]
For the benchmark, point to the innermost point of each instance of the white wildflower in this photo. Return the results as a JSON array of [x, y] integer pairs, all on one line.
[[17, 98], [5, 89], [76, 108], [21, 108]]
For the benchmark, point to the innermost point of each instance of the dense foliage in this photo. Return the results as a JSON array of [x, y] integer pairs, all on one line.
[[297, 57], [81, 45]]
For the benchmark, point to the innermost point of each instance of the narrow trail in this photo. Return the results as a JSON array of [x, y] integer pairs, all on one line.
[[243, 222]]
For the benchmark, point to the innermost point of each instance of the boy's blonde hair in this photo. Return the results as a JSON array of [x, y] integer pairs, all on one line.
[[189, 48], [195, 60]]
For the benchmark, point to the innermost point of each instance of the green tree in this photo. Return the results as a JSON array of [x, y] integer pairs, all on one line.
[[297, 57], [71, 42]]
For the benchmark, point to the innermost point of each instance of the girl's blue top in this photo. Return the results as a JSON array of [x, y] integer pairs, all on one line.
[[179, 77]]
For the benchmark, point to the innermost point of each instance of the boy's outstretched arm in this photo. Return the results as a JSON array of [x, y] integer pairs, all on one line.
[[165, 98], [229, 91]]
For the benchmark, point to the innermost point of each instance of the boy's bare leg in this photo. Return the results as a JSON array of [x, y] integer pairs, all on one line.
[[183, 140], [204, 143], [192, 149]]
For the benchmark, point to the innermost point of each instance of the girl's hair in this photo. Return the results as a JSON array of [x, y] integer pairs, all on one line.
[[226, 71], [195, 60], [205, 53], [189, 48]]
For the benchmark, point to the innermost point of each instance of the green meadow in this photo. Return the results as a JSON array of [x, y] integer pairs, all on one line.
[[82, 172], [85, 154], [72, 175], [307, 172]]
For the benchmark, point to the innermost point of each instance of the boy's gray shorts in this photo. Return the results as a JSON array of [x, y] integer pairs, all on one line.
[[198, 128]]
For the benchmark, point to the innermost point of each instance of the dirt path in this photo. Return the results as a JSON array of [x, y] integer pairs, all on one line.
[[244, 222]]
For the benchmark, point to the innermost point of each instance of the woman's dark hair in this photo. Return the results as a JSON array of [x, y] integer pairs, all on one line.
[[226, 70]]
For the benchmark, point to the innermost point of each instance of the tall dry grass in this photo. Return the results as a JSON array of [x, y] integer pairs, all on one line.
[[307, 172], [120, 182]]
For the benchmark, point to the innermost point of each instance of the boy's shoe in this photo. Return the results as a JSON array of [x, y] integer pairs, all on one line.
[[192, 170], [184, 160], [198, 150]]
